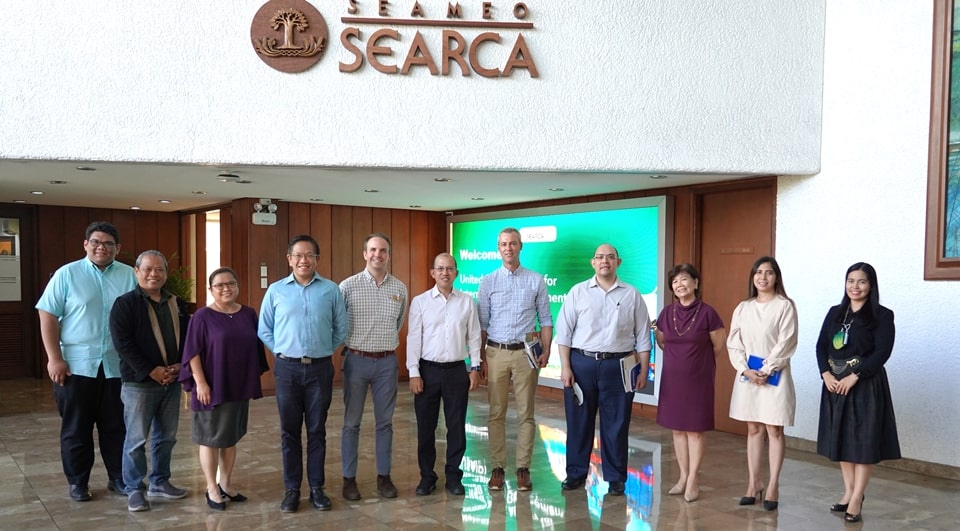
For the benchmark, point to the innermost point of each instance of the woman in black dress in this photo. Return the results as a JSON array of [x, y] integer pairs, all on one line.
[[857, 424]]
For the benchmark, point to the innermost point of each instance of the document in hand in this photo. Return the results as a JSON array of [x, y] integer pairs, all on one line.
[[629, 373], [533, 350], [756, 363], [578, 393]]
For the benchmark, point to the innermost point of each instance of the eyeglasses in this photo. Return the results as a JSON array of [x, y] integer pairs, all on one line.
[[98, 243], [220, 286], [610, 257], [299, 257], [448, 269]]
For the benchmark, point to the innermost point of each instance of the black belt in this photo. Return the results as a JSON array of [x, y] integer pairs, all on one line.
[[304, 360], [599, 356], [444, 364], [504, 346]]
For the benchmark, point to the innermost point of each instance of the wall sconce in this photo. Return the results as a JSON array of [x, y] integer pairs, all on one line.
[[264, 212]]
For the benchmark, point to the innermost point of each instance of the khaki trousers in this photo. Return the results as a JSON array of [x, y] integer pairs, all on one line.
[[502, 366]]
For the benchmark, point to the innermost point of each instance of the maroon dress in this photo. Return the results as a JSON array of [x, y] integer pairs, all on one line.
[[689, 367]]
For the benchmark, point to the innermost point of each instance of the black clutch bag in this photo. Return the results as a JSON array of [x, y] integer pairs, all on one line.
[[845, 367]]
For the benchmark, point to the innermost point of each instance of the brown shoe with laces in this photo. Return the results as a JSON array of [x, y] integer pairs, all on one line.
[[385, 487], [523, 479], [350, 490], [496, 479]]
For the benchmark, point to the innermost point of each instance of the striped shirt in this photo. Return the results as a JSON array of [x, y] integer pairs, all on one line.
[[376, 312], [512, 303]]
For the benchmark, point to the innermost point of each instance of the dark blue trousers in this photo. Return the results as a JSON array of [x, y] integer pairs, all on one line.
[[451, 384], [603, 391], [304, 393]]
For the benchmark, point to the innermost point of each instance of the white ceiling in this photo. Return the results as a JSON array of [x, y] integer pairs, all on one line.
[[123, 185]]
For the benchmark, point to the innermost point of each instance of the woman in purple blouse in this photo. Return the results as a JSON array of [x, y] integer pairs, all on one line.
[[222, 362]]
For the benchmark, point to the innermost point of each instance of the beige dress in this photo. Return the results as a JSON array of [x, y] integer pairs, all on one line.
[[766, 330]]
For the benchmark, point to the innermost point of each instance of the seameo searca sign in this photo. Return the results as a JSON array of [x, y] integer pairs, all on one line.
[[291, 36]]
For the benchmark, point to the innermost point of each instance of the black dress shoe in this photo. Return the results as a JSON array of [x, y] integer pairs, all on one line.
[[235, 498], [769, 505], [852, 518], [839, 507], [80, 493], [750, 500], [291, 501], [320, 501], [573, 483], [455, 487], [116, 486], [426, 487], [216, 506], [617, 488]]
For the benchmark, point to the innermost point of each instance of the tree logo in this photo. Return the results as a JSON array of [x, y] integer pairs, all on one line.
[[289, 35]]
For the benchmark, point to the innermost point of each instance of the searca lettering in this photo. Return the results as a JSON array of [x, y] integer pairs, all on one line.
[[456, 51]]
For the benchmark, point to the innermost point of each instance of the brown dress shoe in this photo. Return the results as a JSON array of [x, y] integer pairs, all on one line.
[[385, 487], [496, 479], [523, 479], [350, 490]]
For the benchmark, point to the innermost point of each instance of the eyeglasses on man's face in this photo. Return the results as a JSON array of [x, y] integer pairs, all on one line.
[[298, 257], [441, 269], [220, 286], [99, 243]]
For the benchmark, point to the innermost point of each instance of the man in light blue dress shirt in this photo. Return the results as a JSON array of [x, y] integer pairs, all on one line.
[[302, 320], [81, 360]]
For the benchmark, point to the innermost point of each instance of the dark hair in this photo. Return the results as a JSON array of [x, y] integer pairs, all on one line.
[[777, 286], [867, 315], [377, 235], [105, 227], [221, 271], [689, 270], [303, 238]]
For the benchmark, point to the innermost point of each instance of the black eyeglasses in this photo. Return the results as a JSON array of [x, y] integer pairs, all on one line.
[[220, 286], [97, 243]]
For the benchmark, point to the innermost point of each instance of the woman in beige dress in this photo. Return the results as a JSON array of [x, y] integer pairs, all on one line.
[[763, 326]]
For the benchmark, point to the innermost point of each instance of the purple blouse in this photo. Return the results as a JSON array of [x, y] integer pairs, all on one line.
[[231, 354]]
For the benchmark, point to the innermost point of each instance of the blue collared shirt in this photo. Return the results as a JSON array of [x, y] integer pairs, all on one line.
[[511, 303], [80, 296], [303, 321]]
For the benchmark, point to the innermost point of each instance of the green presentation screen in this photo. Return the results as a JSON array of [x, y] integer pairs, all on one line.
[[558, 243]]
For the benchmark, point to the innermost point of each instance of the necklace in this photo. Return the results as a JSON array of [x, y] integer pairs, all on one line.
[[224, 311], [676, 321], [840, 338]]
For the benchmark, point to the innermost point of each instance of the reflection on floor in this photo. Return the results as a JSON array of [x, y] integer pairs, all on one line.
[[34, 494]]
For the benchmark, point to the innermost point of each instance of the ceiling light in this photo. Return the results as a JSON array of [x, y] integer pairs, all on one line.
[[371, 191], [316, 199], [85, 168], [442, 180], [243, 181], [165, 201], [134, 207], [414, 206], [556, 189], [228, 177], [658, 177], [198, 192], [36, 192], [19, 201], [476, 199], [58, 182]]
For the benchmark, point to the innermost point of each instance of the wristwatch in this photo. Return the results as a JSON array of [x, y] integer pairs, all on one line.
[[475, 368]]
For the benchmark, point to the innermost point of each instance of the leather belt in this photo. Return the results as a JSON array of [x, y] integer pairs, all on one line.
[[304, 360], [504, 346], [600, 356], [444, 364], [374, 355]]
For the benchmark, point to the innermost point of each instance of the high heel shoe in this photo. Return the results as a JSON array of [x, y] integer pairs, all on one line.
[[221, 506], [750, 500], [677, 489], [842, 507], [770, 505], [235, 498], [692, 497], [854, 518]]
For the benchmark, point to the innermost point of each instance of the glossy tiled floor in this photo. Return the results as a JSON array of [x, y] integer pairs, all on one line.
[[33, 493]]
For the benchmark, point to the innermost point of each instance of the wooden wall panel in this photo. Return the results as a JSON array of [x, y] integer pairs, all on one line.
[[342, 243], [321, 228]]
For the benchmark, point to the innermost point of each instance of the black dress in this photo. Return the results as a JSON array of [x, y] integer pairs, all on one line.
[[858, 427]]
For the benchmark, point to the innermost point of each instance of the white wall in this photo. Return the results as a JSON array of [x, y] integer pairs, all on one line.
[[868, 204], [645, 85]]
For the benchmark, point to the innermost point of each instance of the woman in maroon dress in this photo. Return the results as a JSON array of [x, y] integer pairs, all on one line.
[[691, 334], [222, 362]]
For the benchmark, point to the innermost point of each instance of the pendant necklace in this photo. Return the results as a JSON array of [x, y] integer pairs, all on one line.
[[840, 338], [676, 325]]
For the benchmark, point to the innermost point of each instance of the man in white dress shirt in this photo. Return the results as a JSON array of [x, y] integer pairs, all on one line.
[[444, 330]]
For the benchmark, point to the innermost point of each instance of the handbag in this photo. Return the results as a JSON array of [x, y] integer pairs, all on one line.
[[844, 367]]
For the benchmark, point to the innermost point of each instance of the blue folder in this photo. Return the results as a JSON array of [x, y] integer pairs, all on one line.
[[756, 363]]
